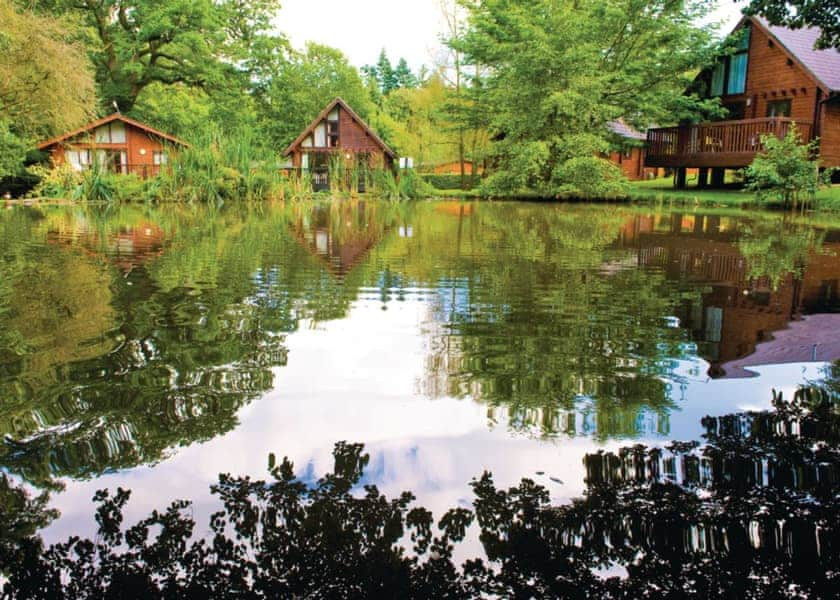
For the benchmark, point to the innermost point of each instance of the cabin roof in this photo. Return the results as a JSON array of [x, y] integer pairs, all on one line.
[[109, 119], [622, 129], [353, 115], [823, 65]]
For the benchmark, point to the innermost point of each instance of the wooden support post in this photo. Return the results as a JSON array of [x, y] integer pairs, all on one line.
[[703, 178], [681, 174], [718, 177]]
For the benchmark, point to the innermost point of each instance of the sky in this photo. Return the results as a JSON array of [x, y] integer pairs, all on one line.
[[405, 28]]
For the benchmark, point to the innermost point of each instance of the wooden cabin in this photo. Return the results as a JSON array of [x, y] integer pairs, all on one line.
[[453, 167], [117, 143], [338, 133], [773, 79], [630, 151]]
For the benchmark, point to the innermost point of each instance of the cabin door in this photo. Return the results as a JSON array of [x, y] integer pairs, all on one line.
[[319, 163]]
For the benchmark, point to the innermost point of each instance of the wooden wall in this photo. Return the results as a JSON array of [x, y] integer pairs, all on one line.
[[353, 139], [633, 166], [830, 135], [771, 76], [135, 141]]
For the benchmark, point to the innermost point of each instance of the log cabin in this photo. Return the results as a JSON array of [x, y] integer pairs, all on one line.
[[118, 144], [774, 78], [338, 133]]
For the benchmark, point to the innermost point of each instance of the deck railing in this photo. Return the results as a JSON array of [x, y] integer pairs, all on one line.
[[721, 144]]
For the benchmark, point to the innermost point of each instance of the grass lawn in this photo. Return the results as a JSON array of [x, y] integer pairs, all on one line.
[[662, 190]]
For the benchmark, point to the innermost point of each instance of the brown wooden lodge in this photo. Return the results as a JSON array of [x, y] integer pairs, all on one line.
[[774, 78], [117, 143], [338, 133]]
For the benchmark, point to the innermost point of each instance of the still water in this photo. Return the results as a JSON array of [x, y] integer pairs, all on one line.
[[153, 348]]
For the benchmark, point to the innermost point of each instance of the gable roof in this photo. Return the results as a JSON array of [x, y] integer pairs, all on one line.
[[109, 119], [622, 129], [353, 115], [823, 65]]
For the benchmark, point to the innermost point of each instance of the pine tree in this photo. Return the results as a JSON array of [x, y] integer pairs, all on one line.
[[385, 73], [403, 75]]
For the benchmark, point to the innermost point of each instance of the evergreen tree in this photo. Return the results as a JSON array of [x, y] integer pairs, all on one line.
[[403, 76], [385, 73]]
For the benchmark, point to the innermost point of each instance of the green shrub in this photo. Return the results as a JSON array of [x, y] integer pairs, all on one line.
[[785, 171], [592, 178]]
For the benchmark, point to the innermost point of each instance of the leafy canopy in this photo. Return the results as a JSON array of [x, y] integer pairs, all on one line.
[[559, 72], [135, 43]]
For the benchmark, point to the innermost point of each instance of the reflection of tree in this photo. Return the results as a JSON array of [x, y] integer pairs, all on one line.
[[104, 370], [752, 513], [775, 249], [529, 319]]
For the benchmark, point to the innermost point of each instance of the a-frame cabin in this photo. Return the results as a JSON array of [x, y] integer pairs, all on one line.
[[338, 133]]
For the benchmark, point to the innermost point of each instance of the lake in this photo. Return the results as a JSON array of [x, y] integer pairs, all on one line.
[[153, 348]]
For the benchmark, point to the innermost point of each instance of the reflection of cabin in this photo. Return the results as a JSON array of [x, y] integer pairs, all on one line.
[[340, 236], [736, 312], [629, 155], [773, 78], [128, 248], [116, 143], [338, 133]]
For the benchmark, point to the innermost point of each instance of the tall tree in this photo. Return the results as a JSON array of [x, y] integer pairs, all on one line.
[[560, 71], [135, 43], [403, 76], [824, 14], [301, 86], [46, 82], [385, 73]]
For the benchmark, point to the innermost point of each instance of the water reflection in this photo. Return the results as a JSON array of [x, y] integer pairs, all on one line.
[[128, 333], [749, 512]]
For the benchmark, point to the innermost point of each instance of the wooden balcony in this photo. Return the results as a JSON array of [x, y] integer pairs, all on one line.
[[730, 144]]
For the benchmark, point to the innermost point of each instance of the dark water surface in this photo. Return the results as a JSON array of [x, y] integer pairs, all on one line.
[[153, 348]]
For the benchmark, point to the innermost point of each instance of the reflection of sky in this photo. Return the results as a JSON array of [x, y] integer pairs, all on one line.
[[359, 379]]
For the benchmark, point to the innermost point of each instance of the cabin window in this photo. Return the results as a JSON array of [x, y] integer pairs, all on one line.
[[737, 82], [778, 108], [718, 77], [114, 161], [159, 158], [321, 135], [79, 159], [628, 153], [111, 133], [332, 134]]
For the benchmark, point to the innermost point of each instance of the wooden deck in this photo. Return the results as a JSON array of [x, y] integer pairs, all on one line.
[[729, 144]]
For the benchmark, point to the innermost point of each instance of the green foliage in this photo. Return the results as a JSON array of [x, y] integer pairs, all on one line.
[[405, 79], [46, 81], [296, 90], [407, 185], [785, 171], [559, 72], [12, 151], [220, 167], [592, 177], [199, 43], [445, 181], [384, 78]]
